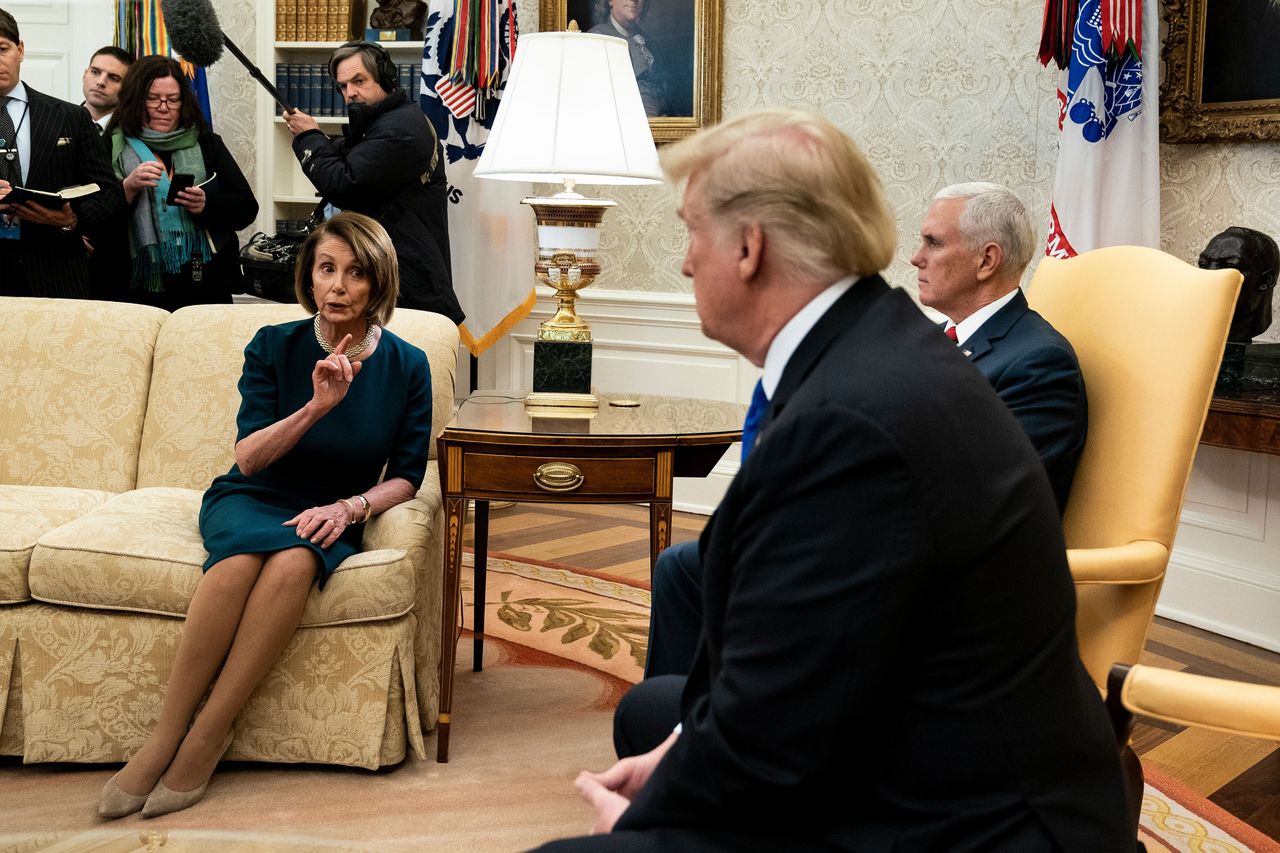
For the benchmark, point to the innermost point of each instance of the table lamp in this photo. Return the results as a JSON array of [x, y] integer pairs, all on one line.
[[571, 113]]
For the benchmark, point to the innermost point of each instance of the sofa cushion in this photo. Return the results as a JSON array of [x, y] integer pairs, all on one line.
[[29, 512], [190, 431], [76, 380], [142, 551]]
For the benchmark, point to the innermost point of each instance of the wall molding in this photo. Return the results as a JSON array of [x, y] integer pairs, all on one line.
[[1222, 595], [1247, 518]]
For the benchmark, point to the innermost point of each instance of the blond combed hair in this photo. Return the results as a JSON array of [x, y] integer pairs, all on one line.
[[372, 247], [802, 180]]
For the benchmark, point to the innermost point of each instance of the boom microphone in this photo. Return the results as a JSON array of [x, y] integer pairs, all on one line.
[[193, 29]]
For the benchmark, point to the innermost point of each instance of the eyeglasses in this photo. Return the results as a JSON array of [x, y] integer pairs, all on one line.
[[155, 102]]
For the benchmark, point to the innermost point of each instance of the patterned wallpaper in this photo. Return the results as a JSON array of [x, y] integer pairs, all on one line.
[[234, 94], [935, 91]]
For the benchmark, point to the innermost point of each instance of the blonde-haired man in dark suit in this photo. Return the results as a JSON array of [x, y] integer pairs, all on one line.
[[888, 658]]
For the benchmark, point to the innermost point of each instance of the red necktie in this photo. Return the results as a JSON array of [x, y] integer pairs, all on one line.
[[951, 333]]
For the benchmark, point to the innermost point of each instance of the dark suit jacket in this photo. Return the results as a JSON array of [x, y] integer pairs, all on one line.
[[66, 151], [1034, 370], [888, 659], [383, 168]]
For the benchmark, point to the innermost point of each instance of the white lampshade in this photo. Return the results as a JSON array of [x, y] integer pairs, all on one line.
[[571, 109]]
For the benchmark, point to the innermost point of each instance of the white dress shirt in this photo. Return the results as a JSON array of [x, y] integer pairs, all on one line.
[[789, 337], [966, 327], [21, 116]]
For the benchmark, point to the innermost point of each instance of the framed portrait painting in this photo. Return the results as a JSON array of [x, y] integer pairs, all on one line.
[[1221, 78], [675, 50]]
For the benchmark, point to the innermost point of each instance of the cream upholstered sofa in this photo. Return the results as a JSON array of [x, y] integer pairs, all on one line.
[[114, 420]]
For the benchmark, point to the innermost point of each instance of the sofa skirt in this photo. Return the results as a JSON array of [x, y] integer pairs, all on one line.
[[86, 686]]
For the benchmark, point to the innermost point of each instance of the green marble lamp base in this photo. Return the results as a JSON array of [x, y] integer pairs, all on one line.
[[562, 374]]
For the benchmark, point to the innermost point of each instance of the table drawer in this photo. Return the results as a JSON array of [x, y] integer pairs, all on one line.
[[544, 475]]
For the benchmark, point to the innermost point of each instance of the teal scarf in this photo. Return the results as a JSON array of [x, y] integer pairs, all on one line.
[[163, 237]]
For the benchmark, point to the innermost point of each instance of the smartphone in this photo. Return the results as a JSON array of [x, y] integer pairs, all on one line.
[[179, 182]]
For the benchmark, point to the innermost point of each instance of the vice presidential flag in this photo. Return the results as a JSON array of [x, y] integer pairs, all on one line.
[[468, 48], [1107, 188]]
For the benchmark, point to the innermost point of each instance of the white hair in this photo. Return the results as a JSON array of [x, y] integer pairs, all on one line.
[[993, 214]]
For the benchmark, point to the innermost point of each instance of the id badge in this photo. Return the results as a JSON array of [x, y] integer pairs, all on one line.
[[10, 227]]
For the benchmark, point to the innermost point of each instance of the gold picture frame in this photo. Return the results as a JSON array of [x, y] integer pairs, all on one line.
[[679, 34], [1206, 101]]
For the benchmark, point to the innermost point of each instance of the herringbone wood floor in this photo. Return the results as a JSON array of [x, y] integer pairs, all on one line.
[[1241, 775]]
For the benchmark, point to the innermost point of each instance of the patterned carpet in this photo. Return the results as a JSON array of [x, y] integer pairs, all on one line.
[[602, 622], [563, 646]]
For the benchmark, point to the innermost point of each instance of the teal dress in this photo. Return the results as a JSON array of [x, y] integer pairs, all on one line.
[[385, 420]]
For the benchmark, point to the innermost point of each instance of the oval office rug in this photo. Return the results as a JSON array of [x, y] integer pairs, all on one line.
[[601, 622], [562, 646]]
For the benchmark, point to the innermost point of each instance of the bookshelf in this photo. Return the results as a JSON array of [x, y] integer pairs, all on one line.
[[282, 189]]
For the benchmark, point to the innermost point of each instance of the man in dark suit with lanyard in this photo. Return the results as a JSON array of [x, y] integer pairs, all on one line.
[[47, 144], [889, 656], [975, 243]]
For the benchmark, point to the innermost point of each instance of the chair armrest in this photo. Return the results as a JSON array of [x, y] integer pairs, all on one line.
[[1132, 563], [1234, 707], [404, 526]]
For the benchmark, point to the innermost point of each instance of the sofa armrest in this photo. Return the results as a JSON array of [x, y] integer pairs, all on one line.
[[416, 528], [403, 527]]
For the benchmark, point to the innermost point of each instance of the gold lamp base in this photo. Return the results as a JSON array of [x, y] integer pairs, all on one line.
[[561, 400], [568, 236]]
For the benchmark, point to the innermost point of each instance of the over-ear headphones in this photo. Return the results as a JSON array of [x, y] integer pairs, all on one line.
[[384, 70]]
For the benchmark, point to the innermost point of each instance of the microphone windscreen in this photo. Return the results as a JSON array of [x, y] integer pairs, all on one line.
[[193, 30]]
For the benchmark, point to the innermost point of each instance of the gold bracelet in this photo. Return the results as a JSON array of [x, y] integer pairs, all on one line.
[[368, 510], [350, 508]]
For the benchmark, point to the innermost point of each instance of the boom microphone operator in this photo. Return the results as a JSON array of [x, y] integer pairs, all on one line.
[[193, 28]]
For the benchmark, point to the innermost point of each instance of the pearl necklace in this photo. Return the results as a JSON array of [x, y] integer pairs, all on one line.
[[352, 351]]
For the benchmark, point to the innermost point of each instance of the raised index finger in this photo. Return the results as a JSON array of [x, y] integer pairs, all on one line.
[[341, 348]]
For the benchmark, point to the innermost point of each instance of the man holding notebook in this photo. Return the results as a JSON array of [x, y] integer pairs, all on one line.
[[47, 144]]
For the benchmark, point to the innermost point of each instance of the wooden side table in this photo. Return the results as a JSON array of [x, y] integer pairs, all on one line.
[[1245, 420], [497, 449]]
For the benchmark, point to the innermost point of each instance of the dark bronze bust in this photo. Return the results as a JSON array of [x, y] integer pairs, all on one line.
[[394, 14], [1256, 256]]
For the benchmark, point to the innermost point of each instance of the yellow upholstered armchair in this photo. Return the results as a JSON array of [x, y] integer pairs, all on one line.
[[1233, 707], [1149, 331]]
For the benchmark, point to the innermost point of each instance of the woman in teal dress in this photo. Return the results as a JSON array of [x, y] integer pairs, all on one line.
[[326, 403]]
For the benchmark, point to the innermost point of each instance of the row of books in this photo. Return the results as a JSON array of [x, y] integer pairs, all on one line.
[[308, 86], [314, 20]]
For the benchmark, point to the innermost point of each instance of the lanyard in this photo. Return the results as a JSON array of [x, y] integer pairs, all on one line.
[[11, 152]]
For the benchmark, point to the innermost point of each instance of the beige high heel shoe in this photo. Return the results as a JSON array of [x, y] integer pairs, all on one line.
[[115, 802], [163, 800]]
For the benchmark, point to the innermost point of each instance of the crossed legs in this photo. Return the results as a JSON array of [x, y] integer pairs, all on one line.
[[243, 614]]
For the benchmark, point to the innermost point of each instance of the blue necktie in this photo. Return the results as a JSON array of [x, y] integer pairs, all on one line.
[[755, 414]]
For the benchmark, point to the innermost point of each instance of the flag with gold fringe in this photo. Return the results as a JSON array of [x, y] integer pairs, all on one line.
[[467, 52], [140, 29]]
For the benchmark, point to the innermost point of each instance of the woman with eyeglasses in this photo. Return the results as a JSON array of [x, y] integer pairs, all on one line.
[[182, 245]]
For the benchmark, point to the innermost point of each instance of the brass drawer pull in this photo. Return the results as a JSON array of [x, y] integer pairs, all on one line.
[[558, 477]]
